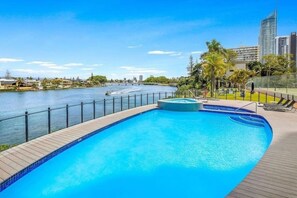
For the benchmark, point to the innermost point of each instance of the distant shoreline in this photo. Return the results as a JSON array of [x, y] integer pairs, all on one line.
[[59, 89]]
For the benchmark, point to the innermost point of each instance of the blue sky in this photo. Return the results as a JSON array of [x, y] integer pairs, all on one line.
[[126, 38]]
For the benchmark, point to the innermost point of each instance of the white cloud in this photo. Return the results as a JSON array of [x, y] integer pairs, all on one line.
[[161, 52], [176, 54], [49, 65], [87, 69], [34, 71], [140, 71], [196, 52], [73, 64], [134, 46], [58, 67], [37, 62], [10, 60]]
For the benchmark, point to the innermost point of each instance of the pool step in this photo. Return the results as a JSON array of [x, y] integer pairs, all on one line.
[[248, 120], [251, 118]]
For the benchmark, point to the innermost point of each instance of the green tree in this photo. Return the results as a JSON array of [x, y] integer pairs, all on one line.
[[240, 77], [98, 80], [215, 46], [255, 66], [230, 58], [190, 65], [198, 79], [56, 82], [214, 66]]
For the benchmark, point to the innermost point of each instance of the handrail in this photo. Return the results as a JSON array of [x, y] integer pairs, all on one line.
[[256, 107]]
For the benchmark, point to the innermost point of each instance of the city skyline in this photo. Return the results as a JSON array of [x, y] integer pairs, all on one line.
[[146, 38]]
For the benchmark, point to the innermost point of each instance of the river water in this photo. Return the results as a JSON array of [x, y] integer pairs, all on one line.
[[16, 103]]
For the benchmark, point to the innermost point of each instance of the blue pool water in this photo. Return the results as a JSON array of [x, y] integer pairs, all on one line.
[[156, 154], [181, 100], [225, 108]]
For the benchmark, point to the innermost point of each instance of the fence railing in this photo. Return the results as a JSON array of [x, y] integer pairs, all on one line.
[[286, 83], [259, 95], [30, 125]]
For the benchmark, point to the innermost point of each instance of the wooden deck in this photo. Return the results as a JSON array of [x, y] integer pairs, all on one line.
[[274, 176]]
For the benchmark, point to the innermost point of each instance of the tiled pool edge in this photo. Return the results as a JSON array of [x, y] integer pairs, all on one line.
[[9, 181]]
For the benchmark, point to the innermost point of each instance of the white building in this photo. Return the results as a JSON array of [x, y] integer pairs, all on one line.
[[244, 55], [282, 45], [140, 78]]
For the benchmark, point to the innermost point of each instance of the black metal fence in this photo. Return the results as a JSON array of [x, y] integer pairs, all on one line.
[[30, 125], [261, 96]]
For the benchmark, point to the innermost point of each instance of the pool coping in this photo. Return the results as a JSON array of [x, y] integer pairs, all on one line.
[[277, 178]]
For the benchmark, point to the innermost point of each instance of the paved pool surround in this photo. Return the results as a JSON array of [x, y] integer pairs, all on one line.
[[274, 176]]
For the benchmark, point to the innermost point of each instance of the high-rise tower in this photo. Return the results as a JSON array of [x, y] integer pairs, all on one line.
[[268, 32], [293, 46]]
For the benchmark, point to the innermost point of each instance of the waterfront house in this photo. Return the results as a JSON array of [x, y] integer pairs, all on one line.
[[7, 83]]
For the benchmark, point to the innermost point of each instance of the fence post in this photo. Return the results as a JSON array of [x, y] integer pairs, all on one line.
[[121, 103], [172, 94], [140, 99], [165, 94], [134, 100], [113, 105], [81, 112], [94, 109], [67, 116], [104, 107], [26, 126], [266, 97], [153, 98], [159, 95], [147, 99], [273, 96], [226, 95], [288, 97], [49, 120], [258, 96], [128, 102]]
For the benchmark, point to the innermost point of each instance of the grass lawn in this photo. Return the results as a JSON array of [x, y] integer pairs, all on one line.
[[256, 97]]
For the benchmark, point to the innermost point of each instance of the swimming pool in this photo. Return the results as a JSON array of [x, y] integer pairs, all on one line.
[[155, 154]]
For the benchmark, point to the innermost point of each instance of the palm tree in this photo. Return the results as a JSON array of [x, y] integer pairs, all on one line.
[[240, 77], [215, 46], [214, 66]]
